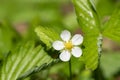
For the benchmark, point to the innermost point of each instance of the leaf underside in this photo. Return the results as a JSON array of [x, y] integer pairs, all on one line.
[[23, 59]]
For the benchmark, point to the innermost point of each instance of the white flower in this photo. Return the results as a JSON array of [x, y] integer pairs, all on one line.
[[68, 46]]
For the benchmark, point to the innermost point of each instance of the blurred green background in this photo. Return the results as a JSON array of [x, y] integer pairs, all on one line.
[[18, 18]]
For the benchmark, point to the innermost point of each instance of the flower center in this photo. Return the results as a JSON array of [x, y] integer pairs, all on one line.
[[68, 45]]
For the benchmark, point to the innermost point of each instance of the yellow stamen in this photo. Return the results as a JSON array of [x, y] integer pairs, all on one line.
[[68, 45]]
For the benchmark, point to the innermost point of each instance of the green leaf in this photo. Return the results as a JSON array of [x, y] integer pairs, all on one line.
[[110, 63], [112, 28], [87, 17], [23, 59], [105, 7], [90, 25], [37, 69], [47, 35], [92, 51]]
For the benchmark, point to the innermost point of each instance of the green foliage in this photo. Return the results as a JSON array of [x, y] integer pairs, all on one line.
[[34, 56], [24, 58], [90, 53], [15, 10], [87, 17], [112, 27], [110, 63], [8, 37], [70, 22], [105, 7], [37, 69], [47, 35], [86, 75], [89, 23]]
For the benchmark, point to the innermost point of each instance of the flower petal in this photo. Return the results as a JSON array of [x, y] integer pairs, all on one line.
[[77, 39], [65, 55], [65, 35], [76, 52], [58, 45]]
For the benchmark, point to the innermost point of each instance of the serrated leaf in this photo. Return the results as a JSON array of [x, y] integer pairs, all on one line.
[[47, 35], [90, 25], [112, 28], [23, 59]]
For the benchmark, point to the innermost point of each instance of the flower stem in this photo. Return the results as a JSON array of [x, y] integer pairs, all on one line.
[[70, 71]]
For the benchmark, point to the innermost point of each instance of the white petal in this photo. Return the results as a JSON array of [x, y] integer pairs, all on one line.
[[65, 55], [76, 52], [65, 35], [77, 39], [58, 45]]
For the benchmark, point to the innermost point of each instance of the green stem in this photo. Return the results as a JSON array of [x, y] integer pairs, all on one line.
[[70, 71]]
